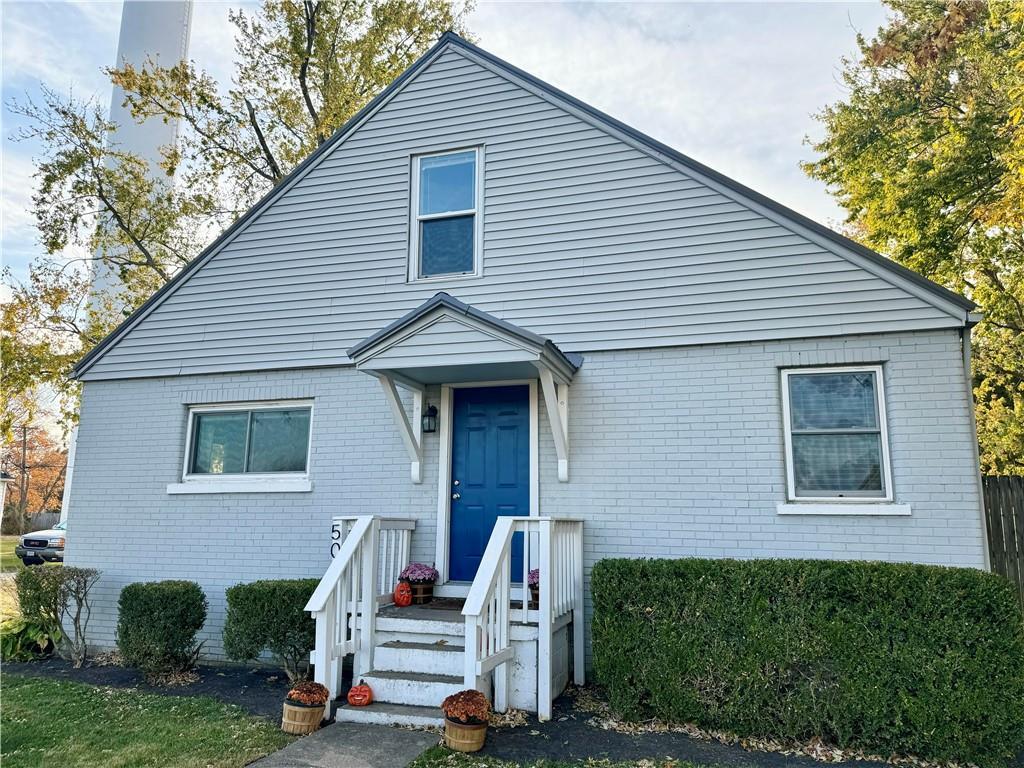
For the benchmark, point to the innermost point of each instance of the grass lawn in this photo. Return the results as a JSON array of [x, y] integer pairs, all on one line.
[[8, 560], [442, 757], [50, 722], [8, 600]]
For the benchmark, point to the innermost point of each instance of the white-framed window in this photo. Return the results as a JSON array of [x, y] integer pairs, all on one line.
[[837, 446], [247, 447], [446, 228]]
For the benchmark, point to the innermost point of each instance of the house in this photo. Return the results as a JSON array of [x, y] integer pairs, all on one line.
[[624, 352], [5, 478]]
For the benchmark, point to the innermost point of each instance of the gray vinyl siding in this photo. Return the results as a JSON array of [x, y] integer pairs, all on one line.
[[675, 452], [587, 240]]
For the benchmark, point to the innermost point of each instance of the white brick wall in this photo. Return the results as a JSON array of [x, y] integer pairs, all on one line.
[[674, 453]]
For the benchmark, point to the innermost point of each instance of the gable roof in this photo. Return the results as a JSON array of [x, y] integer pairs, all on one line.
[[442, 300], [952, 303]]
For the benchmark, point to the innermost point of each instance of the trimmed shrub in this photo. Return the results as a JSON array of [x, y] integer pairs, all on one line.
[[54, 601], [78, 584], [157, 624], [878, 656], [41, 597], [268, 616]]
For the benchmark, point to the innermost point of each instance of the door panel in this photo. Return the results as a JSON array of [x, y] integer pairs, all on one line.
[[490, 472]]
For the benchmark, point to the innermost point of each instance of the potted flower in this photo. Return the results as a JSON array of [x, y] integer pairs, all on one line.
[[421, 577], [533, 581], [304, 708], [465, 720]]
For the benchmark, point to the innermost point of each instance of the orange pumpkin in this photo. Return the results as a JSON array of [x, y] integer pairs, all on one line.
[[403, 594], [360, 695]]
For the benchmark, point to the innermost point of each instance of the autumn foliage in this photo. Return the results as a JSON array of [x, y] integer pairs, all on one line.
[[42, 467]]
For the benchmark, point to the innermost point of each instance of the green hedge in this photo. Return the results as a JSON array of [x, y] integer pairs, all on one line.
[[42, 597], [269, 616], [885, 657], [157, 625]]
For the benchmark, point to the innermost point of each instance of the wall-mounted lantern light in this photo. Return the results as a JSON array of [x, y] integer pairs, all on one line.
[[430, 419]]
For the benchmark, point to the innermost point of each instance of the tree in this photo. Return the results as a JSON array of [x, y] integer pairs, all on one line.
[[926, 153], [37, 464], [302, 69]]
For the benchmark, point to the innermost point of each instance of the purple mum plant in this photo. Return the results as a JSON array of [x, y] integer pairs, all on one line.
[[419, 573], [533, 578]]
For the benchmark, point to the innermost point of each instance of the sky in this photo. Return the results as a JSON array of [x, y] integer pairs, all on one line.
[[733, 85]]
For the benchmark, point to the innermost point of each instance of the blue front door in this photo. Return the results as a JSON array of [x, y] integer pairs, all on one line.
[[490, 472]]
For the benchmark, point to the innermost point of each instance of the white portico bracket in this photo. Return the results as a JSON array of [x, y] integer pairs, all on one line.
[[556, 401], [410, 430]]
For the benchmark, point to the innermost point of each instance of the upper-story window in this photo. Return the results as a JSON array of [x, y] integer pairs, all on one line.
[[836, 442], [446, 225]]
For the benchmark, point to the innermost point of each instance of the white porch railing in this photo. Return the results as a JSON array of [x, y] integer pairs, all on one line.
[[344, 604], [395, 541], [555, 546]]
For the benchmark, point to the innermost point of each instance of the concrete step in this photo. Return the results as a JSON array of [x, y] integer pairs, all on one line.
[[441, 657], [381, 713], [423, 689]]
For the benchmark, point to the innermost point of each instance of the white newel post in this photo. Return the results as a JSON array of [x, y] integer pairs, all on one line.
[[368, 600], [469, 677], [544, 624], [325, 667], [501, 675]]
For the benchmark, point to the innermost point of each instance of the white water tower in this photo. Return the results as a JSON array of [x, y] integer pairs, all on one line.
[[150, 29]]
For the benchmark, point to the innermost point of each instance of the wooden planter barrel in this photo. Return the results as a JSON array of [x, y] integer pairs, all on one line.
[[301, 720], [422, 593], [464, 738]]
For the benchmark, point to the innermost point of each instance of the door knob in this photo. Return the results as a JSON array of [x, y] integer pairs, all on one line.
[[455, 482], [456, 495]]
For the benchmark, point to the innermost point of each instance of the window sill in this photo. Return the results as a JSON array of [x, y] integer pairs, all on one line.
[[881, 508], [283, 485], [453, 277]]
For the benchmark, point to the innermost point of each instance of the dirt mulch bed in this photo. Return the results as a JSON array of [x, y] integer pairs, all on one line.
[[569, 735], [575, 733], [259, 691]]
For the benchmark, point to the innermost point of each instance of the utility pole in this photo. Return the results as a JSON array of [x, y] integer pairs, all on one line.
[[23, 501]]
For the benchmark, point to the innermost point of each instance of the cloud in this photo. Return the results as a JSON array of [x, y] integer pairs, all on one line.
[[212, 45], [64, 45]]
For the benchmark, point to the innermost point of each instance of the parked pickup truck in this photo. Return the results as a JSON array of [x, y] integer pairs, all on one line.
[[42, 546]]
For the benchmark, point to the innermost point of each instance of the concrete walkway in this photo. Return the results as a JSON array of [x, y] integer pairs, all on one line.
[[352, 745]]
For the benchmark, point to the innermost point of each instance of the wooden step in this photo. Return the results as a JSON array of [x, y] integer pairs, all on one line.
[[420, 630], [425, 689], [428, 612], [403, 656]]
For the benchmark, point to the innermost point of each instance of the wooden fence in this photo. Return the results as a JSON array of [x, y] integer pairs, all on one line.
[[1004, 516]]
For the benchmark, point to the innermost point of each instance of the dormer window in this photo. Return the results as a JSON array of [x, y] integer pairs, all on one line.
[[445, 228]]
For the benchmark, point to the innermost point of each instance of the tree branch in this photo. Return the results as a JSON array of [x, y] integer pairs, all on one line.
[[275, 168], [310, 11]]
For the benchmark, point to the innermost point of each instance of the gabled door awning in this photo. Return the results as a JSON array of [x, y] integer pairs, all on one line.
[[444, 341]]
